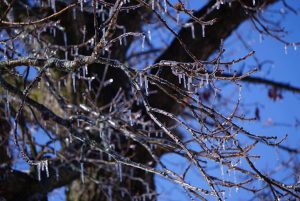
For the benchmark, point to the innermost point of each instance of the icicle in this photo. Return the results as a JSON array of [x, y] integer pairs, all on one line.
[[218, 5], [100, 130], [140, 79], [43, 165], [119, 170], [165, 6], [76, 51], [102, 14], [260, 37], [143, 42], [295, 46], [66, 55], [67, 142], [82, 172], [110, 12], [120, 40], [39, 171], [74, 82], [84, 34], [222, 168], [109, 194], [149, 35], [179, 78], [56, 174], [74, 13], [86, 69], [90, 84], [206, 78], [234, 176], [70, 138], [101, 9], [223, 195], [189, 83], [103, 34], [240, 93], [83, 73], [125, 39], [253, 2], [92, 42], [54, 32], [78, 122], [193, 30], [101, 155], [203, 30], [65, 39], [81, 5], [146, 86], [53, 5], [184, 80], [148, 191], [285, 48], [39, 36], [130, 118], [177, 17], [153, 4], [58, 86], [46, 167]]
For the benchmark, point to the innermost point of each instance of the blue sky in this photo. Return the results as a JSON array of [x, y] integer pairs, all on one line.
[[285, 68]]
